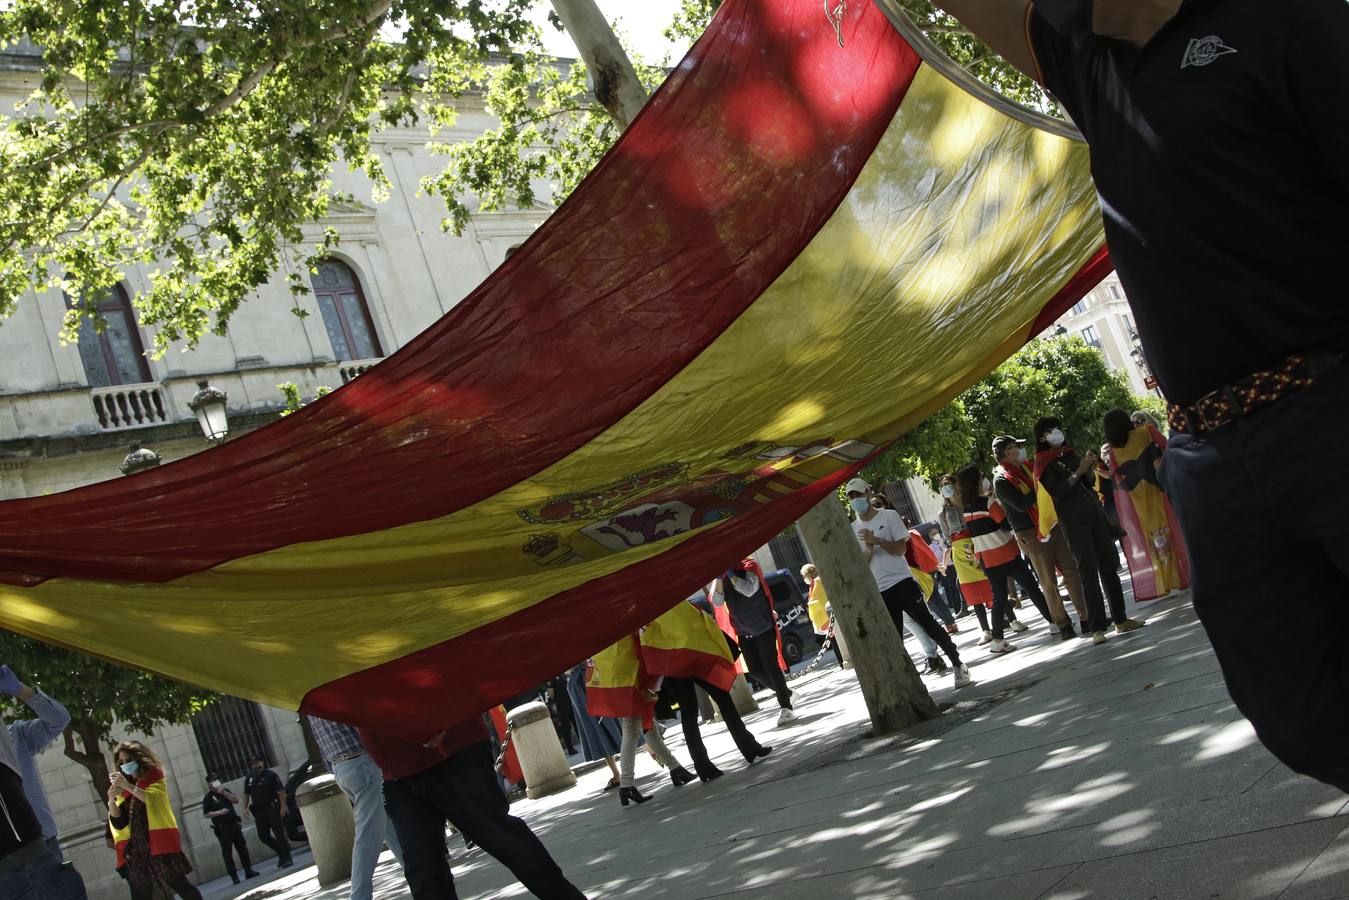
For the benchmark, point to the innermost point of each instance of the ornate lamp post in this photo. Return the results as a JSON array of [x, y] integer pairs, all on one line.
[[139, 459], [209, 405]]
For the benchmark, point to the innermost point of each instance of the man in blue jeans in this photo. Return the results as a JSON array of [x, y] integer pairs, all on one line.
[[1218, 145], [360, 779], [29, 870]]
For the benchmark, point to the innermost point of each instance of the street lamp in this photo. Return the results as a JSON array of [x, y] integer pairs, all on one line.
[[209, 405], [139, 459], [1060, 331]]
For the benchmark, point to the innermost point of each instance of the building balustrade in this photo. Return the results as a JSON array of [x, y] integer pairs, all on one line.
[[126, 406]]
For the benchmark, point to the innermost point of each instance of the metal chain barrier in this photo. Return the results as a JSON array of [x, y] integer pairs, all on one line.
[[824, 648], [501, 757]]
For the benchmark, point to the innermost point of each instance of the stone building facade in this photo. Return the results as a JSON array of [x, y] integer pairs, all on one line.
[[69, 412]]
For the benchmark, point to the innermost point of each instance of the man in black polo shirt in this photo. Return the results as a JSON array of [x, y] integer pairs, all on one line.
[[1219, 137]]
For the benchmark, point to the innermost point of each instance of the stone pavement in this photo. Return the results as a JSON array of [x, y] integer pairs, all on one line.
[[1066, 771]]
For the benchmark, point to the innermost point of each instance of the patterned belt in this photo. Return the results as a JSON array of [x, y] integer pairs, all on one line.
[[1253, 392], [343, 757]]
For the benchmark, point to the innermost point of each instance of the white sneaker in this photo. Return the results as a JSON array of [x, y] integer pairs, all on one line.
[[987, 638], [1098, 637], [1000, 647], [962, 676], [1019, 626], [786, 717]]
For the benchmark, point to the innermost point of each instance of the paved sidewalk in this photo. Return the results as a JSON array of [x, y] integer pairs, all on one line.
[[1066, 771]]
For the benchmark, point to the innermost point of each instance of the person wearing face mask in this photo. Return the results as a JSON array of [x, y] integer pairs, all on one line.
[[951, 523], [144, 829], [218, 806], [1014, 487], [884, 538], [1069, 499], [1181, 102], [267, 801], [746, 597], [995, 546]]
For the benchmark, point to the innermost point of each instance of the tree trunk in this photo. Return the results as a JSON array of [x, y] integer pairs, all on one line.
[[91, 757], [612, 76], [893, 691]]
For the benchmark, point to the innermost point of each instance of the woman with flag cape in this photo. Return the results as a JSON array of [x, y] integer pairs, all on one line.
[[622, 689], [687, 650], [1153, 543]]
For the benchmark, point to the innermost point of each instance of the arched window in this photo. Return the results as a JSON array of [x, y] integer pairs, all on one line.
[[114, 355], [345, 314]]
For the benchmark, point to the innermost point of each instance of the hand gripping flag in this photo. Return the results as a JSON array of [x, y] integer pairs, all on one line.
[[797, 252]]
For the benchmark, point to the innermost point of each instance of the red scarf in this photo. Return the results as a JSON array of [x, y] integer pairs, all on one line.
[[1043, 458]]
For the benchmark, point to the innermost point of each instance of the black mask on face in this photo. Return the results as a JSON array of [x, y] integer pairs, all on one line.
[[1067, 16]]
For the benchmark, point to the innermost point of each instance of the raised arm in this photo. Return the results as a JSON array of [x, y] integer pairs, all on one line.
[[999, 23]]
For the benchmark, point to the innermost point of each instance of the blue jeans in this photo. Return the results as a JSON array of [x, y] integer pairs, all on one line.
[[363, 783], [928, 644], [42, 878], [1262, 504]]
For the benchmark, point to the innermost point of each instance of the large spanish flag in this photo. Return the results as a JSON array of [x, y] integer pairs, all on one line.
[[806, 244]]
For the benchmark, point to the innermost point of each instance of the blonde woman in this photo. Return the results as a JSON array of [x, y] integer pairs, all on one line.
[[145, 832]]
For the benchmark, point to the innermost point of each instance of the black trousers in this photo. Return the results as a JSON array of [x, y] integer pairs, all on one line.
[[1262, 504], [683, 692], [272, 831], [761, 655], [463, 790], [907, 597], [231, 837], [997, 578], [1092, 540]]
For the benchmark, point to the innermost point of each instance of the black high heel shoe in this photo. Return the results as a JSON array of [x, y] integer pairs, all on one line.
[[757, 753], [707, 772], [631, 793], [681, 776]]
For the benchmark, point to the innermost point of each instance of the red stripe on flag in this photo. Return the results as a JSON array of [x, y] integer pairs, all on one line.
[[732, 168], [1077, 287]]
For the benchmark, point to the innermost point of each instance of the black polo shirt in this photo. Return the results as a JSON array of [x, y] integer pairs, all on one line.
[[1221, 155], [262, 789]]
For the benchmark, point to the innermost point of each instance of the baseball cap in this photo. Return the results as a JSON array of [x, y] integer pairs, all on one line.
[[1002, 442], [857, 486]]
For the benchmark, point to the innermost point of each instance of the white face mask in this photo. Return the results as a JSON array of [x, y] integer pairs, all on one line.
[[948, 491], [1020, 454], [215, 785], [1055, 438]]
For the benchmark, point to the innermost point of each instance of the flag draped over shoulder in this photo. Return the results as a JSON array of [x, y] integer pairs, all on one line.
[[677, 365]]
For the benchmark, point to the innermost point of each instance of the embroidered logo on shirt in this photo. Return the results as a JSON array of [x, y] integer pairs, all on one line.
[[1204, 51]]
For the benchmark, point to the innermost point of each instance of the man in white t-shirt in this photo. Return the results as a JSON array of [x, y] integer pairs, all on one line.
[[883, 537]]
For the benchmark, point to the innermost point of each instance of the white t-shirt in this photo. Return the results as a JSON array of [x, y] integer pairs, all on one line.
[[888, 569]]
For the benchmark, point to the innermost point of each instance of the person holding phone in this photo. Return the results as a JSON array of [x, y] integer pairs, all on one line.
[[144, 829], [1068, 481]]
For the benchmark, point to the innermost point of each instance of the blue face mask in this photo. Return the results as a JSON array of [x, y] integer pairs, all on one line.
[[859, 504], [129, 769]]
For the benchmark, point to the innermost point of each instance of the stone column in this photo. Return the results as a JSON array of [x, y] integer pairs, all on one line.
[[331, 828], [539, 751]]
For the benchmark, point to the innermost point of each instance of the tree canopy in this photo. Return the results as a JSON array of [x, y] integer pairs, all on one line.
[[1060, 376], [98, 694], [198, 140]]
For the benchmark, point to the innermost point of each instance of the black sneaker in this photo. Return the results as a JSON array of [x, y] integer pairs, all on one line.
[[1067, 633]]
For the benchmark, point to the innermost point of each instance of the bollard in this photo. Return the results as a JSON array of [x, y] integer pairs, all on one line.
[[331, 828], [539, 751], [743, 696], [842, 645]]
